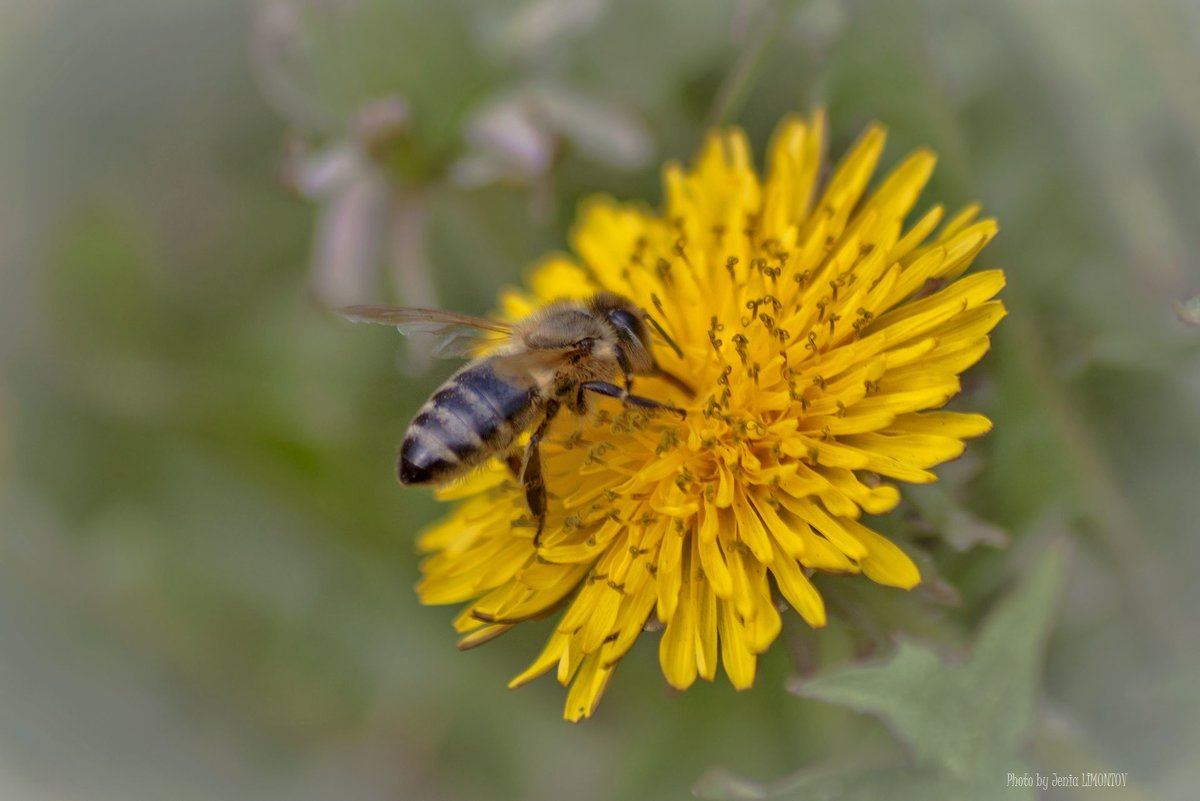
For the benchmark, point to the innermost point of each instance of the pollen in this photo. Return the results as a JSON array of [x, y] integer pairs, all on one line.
[[822, 325]]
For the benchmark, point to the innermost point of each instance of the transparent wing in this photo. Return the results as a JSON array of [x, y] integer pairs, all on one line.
[[452, 335], [519, 368]]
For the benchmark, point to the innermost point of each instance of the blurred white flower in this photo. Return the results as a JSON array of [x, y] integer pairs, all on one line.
[[368, 223], [540, 24], [371, 170], [518, 137]]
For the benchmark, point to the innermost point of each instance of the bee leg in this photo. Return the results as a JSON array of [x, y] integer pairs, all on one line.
[[658, 372], [613, 391], [626, 371], [513, 460], [531, 473]]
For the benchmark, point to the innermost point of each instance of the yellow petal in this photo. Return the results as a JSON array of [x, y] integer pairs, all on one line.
[[947, 424], [798, 590], [784, 535], [669, 573], [549, 656], [587, 688], [910, 450], [737, 659], [958, 297], [677, 648], [481, 636], [706, 630], [829, 527], [885, 563], [712, 559], [603, 619], [750, 529]]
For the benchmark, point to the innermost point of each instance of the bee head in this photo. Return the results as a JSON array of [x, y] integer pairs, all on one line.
[[625, 319]]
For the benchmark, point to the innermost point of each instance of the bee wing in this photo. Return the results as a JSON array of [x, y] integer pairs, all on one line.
[[456, 335], [519, 369]]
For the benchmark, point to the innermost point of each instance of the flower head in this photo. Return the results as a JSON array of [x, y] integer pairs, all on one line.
[[819, 332]]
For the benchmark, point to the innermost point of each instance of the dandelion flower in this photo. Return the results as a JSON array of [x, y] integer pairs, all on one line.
[[820, 334]]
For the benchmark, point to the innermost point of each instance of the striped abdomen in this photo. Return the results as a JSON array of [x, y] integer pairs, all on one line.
[[472, 416]]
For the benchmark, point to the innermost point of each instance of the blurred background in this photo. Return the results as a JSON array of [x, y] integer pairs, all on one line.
[[206, 566]]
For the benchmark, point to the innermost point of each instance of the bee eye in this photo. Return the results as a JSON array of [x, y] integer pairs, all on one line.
[[624, 320]]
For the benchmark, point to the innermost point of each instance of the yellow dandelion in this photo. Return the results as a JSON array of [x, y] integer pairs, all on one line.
[[819, 333]]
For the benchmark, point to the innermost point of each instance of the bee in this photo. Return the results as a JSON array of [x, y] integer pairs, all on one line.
[[553, 359]]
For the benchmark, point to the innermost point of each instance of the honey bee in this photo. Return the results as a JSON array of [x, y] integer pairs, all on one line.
[[554, 358]]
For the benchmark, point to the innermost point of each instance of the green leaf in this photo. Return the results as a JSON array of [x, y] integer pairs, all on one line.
[[881, 784]]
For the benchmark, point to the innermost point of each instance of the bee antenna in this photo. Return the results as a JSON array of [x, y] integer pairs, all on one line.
[[662, 333], [675, 381]]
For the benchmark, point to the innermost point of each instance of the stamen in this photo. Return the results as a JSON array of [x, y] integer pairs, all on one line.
[[684, 479], [639, 250], [833, 318], [751, 226], [663, 270], [680, 244], [595, 453], [723, 381], [740, 343], [668, 440], [864, 319], [715, 326]]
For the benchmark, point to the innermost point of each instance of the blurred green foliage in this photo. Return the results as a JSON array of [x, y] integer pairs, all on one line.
[[205, 564], [964, 724]]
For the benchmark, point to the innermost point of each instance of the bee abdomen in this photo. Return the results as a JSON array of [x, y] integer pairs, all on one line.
[[472, 416]]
